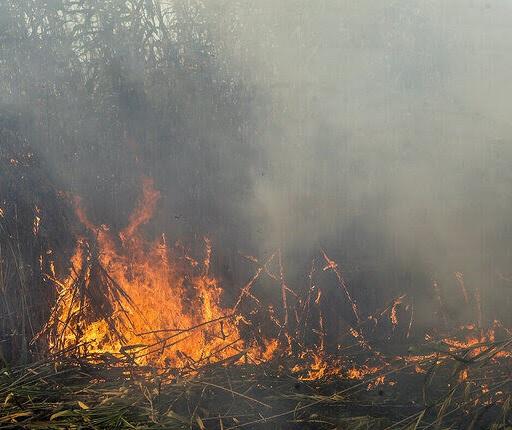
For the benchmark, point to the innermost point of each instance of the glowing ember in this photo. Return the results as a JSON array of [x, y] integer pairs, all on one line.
[[394, 311], [463, 375], [37, 221]]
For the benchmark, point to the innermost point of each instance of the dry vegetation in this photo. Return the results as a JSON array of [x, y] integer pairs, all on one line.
[[62, 393], [455, 380]]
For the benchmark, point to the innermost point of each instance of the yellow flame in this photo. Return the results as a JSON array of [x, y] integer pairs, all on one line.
[[169, 313]]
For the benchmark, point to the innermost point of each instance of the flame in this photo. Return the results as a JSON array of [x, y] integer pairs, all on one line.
[[129, 298], [360, 372], [37, 221], [463, 375], [319, 365], [161, 309], [393, 316], [316, 368], [477, 342]]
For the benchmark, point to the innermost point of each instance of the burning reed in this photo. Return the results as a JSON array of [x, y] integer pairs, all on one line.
[[102, 327], [120, 359], [143, 300], [138, 334]]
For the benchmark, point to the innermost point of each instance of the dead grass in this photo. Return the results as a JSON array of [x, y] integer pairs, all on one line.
[[64, 393]]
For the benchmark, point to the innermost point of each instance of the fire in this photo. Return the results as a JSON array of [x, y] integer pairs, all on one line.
[[477, 342], [394, 311], [159, 308], [362, 371], [37, 221], [316, 368], [152, 304], [463, 375]]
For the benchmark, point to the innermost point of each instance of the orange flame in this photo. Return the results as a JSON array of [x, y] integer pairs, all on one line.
[[162, 310], [126, 297]]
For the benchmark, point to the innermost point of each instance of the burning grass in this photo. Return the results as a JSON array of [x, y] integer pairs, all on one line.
[[139, 337], [131, 333], [450, 392], [65, 396], [146, 301]]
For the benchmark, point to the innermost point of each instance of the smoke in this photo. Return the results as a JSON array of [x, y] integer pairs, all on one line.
[[387, 142], [377, 131]]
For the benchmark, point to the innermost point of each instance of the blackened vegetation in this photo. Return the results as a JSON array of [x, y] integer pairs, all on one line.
[[35, 230]]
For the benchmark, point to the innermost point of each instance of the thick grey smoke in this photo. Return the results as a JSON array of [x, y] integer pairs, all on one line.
[[378, 131], [388, 141]]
